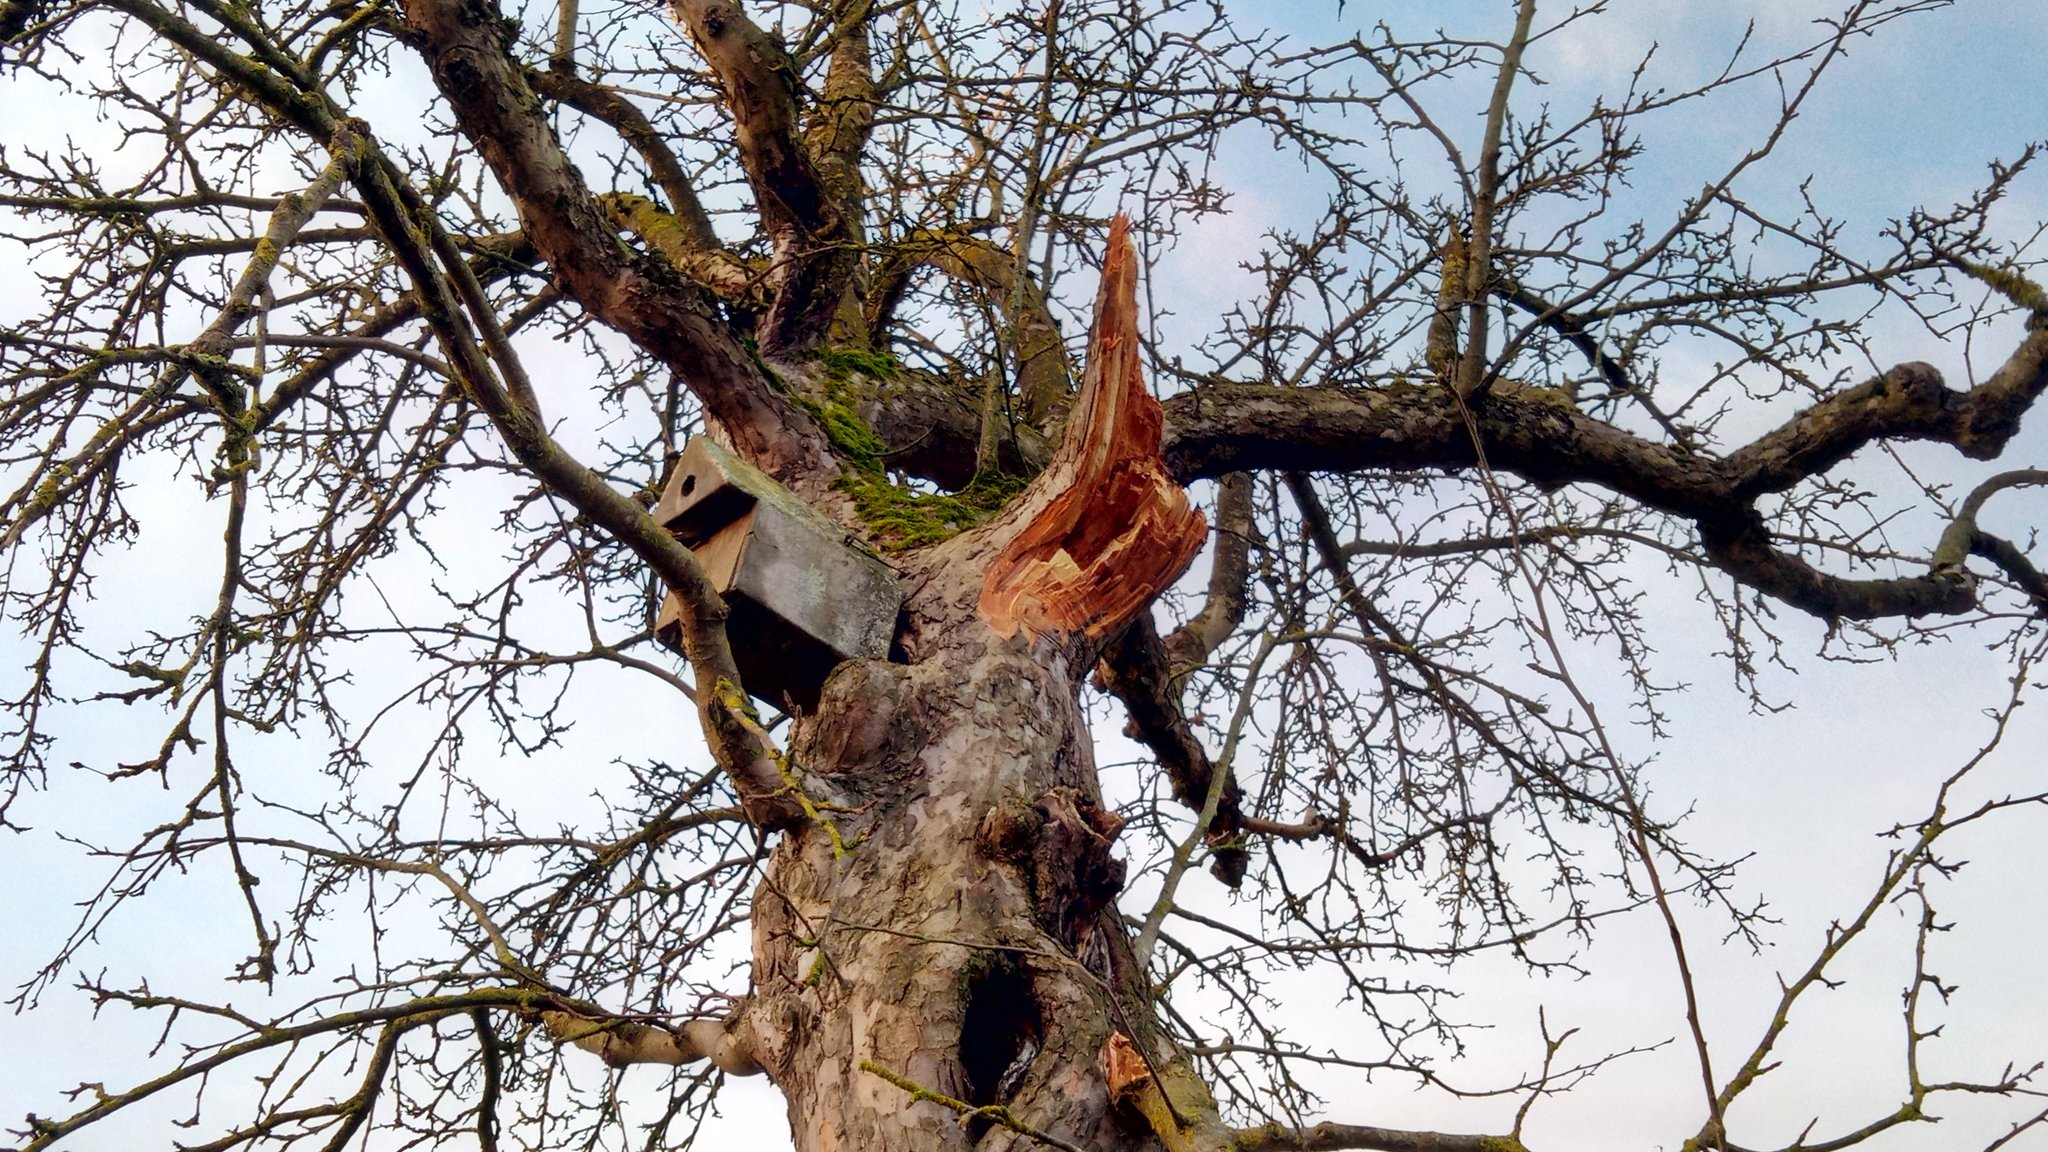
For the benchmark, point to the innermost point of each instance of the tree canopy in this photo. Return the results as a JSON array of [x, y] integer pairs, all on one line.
[[346, 348]]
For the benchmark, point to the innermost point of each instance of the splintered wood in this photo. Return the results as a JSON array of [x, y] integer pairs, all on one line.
[[1111, 529], [1124, 1070]]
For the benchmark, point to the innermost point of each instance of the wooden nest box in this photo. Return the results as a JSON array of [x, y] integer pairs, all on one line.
[[801, 597]]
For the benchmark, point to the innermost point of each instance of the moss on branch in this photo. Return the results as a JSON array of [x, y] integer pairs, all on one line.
[[898, 516], [841, 363]]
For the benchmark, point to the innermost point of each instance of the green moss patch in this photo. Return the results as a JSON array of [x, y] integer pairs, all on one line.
[[844, 362], [900, 517], [848, 432]]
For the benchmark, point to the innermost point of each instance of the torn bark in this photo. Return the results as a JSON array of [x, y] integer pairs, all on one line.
[[1108, 528], [1171, 1101]]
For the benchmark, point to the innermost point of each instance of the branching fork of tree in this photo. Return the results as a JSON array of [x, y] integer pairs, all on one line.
[[412, 304]]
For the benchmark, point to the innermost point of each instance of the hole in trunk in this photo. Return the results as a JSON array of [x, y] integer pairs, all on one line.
[[1000, 1028]]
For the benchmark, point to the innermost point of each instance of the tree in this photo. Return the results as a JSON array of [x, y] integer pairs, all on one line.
[[1480, 386]]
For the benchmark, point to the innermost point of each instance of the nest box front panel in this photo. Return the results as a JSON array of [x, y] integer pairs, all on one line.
[[802, 597]]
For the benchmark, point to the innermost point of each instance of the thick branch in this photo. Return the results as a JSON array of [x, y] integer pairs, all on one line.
[[1330, 1137], [931, 426], [812, 236], [632, 125], [1044, 377], [1965, 537], [2009, 559], [713, 269], [1136, 669], [1962, 532], [1221, 428], [1910, 402], [841, 124], [1230, 563], [1146, 674], [759, 81], [465, 43], [1544, 439], [845, 115], [1743, 549], [624, 1042]]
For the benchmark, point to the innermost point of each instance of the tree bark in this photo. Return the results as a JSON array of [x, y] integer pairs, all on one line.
[[958, 930], [938, 961]]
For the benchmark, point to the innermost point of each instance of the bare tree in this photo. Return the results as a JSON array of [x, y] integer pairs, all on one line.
[[426, 371]]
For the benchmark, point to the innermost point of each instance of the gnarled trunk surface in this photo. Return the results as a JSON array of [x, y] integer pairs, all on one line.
[[959, 939], [946, 925]]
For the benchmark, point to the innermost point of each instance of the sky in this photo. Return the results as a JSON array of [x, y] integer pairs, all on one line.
[[1911, 119]]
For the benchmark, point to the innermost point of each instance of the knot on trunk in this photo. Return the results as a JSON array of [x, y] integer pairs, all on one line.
[[861, 727], [1064, 845]]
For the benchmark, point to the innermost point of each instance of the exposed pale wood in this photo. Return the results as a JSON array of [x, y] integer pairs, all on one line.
[[1111, 528]]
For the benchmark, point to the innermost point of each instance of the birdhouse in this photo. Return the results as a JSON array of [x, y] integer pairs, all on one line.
[[801, 597]]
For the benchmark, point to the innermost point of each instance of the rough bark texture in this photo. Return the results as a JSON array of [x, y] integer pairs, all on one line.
[[952, 927], [946, 940], [937, 946], [938, 960]]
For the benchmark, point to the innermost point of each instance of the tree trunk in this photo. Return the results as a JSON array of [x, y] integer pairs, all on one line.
[[953, 926], [938, 960], [962, 934]]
